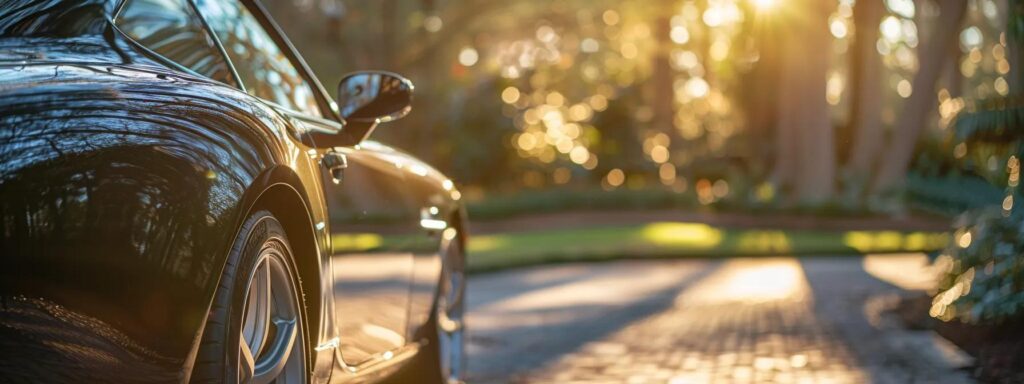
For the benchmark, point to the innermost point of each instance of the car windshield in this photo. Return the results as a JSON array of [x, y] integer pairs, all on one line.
[[53, 18]]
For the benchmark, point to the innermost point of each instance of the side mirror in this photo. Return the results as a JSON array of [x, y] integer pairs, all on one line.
[[365, 99], [374, 97]]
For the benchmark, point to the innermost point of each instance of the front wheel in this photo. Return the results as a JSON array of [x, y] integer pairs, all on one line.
[[449, 316], [442, 358], [254, 333]]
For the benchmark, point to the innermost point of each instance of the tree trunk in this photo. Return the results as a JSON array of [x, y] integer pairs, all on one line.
[[896, 160], [661, 81], [785, 142], [761, 106], [804, 112], [866, 78], [786, 131], [954, 79], [788, 104]]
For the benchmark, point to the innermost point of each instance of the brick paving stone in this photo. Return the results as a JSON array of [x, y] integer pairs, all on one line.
[[781, 341], [748, 321]]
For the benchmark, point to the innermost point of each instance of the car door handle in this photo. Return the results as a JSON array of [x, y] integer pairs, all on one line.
[[335, 163]]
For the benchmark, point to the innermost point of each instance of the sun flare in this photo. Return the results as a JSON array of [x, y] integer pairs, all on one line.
[[765, 5]]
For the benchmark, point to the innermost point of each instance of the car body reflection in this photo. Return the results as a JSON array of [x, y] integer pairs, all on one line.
[[124, 180]]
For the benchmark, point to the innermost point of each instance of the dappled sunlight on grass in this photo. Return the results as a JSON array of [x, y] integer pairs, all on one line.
[[689, 235], [682, 239], [887, 241], [487, 243], [356, 242], [764, 242]]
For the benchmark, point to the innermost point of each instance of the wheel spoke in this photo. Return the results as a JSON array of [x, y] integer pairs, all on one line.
[[262, 284], [273, 362], [271, 338], [246, 363]]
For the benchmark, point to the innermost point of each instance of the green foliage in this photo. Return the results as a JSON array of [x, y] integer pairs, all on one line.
[[951, 194], [996, 120], [983, 278], [983, 271], [1015, 23]]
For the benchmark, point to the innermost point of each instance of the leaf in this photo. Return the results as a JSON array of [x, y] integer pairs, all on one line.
[[996, 120]]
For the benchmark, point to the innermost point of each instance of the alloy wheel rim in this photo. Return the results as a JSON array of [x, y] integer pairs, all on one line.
[[270, 343]]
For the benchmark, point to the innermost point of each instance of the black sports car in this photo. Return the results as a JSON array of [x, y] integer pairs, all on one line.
[[180, 201]]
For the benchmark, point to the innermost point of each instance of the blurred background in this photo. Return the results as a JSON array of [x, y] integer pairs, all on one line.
[[727, 105], [585, 130]]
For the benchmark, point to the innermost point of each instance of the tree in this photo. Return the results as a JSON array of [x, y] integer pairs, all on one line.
[[866, 78], [761, 106], [806, 152], [897, 156], [663, 102]]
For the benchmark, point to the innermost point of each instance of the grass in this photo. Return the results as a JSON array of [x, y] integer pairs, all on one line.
[[680, 239]]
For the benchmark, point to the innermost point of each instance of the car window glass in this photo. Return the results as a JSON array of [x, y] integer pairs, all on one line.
[[262, 66], [172, 29]]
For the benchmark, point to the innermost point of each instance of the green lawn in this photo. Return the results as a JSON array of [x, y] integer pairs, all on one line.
[[679, 239]]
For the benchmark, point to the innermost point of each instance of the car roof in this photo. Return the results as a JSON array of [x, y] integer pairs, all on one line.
[[54, 18]]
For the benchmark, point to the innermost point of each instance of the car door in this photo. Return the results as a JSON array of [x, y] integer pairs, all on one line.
[[372, 226], [368, 267]]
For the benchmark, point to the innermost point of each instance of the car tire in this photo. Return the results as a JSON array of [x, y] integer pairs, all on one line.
[[255, 331], [443, 359]]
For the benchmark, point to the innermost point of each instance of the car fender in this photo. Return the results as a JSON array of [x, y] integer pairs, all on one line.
[[121, 190]]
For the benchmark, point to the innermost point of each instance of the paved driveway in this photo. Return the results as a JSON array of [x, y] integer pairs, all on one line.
[[699, 321]]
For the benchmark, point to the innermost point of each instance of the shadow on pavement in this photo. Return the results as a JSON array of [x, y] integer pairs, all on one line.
[[847, 299], [517, 327]]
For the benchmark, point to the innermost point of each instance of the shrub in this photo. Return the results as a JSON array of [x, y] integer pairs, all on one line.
[[983, 269]]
